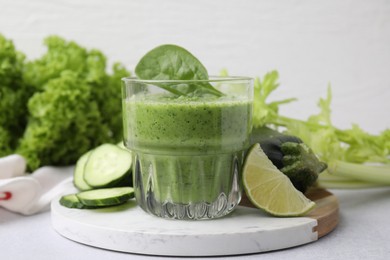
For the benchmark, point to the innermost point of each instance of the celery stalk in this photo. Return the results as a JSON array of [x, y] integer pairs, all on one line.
[[377, 174], [350, 184]]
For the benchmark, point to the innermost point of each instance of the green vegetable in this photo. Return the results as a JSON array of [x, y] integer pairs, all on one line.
[[14, 93], [105, 166], [291, 156], [59, 106], [108, 165], [101, 171], [5, 142], [105, 197], [64, 123], [90, 67], [350, 154], [171, 62], [71, 201], [78, 174], [93, 199], [266, 112]]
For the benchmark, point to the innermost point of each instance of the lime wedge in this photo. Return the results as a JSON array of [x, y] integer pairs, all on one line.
[[269, 189]]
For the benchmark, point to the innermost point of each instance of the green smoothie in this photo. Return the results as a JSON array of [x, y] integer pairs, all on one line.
[[186, 149]]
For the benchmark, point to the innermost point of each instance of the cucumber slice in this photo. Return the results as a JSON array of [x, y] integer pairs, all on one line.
[[71, 201], [107, 166], [105, 197], [78, 175]]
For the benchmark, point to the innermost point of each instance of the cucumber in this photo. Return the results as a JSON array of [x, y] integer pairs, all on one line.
[[107, 166], [71, 201], [105, 197], [78, 175]]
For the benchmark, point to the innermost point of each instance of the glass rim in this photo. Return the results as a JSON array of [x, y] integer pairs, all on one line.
[[211, 79]]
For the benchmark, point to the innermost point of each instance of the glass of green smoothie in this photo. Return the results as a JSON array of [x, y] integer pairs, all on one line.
[[187, 150]]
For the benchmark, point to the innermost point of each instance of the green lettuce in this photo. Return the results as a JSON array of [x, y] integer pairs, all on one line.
[[57, 107], [14, 93]]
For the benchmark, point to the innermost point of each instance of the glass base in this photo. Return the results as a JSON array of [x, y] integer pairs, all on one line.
[[187, 187], [192, 211]]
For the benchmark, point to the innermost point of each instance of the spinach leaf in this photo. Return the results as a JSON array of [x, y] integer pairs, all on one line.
[[172, 62]]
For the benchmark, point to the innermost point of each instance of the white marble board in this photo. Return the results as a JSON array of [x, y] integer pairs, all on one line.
[[127, 228]]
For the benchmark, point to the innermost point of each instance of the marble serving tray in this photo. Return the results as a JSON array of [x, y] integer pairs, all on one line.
[[127, 228]]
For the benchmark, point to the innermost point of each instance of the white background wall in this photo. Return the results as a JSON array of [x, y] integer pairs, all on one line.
[[310, 42]]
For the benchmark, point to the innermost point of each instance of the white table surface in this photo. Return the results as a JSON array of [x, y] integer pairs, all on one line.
[[363, 233]]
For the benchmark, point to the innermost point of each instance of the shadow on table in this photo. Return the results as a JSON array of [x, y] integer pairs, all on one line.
[[350, 199], [7, 216]]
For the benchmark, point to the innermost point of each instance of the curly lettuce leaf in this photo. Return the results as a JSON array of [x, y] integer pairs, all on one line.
[[14, 94], [64, 123], [5, 142], [90, 68], [61, 55]]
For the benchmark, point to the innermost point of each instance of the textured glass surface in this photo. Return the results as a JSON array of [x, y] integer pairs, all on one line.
[[164, 187], [187, 150]]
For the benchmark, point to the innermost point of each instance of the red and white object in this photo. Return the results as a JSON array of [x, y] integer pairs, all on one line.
[[30, 193]]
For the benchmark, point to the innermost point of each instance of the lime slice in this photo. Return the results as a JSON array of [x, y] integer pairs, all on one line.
[[269, 189]]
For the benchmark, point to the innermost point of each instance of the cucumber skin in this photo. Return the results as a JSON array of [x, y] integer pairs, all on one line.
[[71, 201], [78, 182], [125, 181], [104, 202]]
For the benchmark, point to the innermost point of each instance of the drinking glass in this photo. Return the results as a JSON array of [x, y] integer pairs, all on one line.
[[187, 150]]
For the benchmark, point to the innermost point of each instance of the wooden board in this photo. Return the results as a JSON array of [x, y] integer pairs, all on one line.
[[326, 212], [127, 228]]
